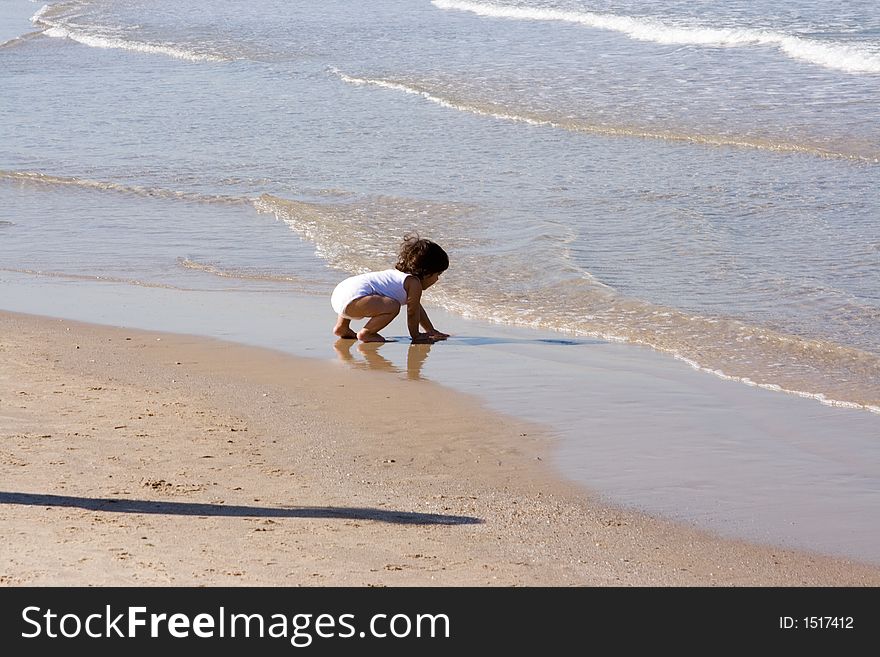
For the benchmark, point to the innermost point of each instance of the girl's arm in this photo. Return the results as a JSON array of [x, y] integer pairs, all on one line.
[[416, 315], [428, 326], [413, 287], [424, 320]]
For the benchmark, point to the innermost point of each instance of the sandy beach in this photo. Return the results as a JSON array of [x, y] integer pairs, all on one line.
[[140, 458]]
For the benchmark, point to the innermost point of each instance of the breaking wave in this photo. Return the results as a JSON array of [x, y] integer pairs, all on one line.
[[503, 113], [838, 56]]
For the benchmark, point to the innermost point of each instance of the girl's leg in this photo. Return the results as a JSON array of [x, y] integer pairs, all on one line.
[[381, 310], [342, 328]]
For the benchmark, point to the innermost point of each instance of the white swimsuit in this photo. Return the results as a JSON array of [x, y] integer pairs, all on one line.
[[388, 283]]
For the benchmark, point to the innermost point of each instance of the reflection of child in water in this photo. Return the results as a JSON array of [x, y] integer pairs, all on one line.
[[379, 295], [372, 359]]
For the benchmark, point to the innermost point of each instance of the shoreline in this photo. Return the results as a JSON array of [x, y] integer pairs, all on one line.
[[288, 471]]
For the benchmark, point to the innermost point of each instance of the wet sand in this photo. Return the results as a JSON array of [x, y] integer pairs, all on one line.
[[138, 458]]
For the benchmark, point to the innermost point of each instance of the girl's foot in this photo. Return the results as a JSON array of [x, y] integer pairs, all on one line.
[[343, 330], [366, 336]]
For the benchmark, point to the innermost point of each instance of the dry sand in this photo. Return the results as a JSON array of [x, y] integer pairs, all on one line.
[[136, 458]]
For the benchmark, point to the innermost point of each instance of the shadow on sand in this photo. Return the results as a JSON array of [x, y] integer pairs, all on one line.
[[120, 505]]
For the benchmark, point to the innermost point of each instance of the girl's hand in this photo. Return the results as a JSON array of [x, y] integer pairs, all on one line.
[[429, 338]]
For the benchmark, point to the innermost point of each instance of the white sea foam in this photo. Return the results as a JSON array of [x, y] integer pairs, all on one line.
[[95, 37], [816, 396], [439, 100], [838, 56], [97, 41]]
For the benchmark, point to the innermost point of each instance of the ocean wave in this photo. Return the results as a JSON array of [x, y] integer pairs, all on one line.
[[241, 274], [32, 178], [290, 282], [773, 387], [731, 349], [54, 24], [838, 56], [91, 277], [21, 39], [579, 125], [364, 233]]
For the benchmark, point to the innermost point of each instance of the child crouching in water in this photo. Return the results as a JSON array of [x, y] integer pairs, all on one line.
[[379, 295]]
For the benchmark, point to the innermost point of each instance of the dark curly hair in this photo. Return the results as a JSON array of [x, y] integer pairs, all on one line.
[[421, 257]]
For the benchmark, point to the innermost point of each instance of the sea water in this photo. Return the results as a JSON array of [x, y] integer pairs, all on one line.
[[699, 178]]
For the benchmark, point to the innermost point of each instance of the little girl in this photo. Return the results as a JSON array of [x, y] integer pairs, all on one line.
[[380, 294]]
